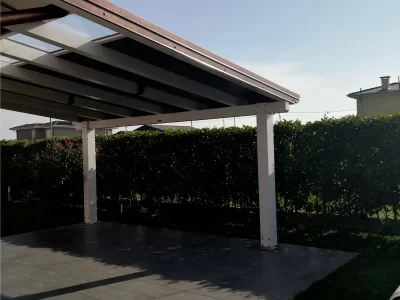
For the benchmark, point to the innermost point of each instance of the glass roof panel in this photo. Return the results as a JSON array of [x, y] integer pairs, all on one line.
[[24, 39], [7, 59], [84, 27], [72, 22]]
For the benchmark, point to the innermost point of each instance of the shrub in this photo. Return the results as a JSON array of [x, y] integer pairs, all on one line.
[[334, 167]]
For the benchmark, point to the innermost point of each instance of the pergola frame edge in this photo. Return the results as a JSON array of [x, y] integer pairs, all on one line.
[[265, 156]]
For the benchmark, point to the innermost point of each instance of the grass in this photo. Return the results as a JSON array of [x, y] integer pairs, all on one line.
[[374, 274]]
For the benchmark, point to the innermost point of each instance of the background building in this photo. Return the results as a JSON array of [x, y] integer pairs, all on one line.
[[36, 131], [158, 128], [384, 99], [163, 127]]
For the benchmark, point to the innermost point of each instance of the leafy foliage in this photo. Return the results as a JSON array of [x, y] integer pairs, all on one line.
[[334, 167], [47, 170]]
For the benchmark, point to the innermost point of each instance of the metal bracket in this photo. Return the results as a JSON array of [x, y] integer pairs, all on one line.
[[82, 125], [272, 107], [261, 108], [71, 99], [141, 88]]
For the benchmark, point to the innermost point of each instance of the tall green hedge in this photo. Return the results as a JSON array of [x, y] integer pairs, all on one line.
[[336, 167]]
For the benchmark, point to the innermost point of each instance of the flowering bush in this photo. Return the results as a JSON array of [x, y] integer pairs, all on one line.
[[49, 170]]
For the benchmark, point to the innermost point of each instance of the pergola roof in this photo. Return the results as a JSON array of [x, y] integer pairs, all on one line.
[[140, 70], [141, 74]]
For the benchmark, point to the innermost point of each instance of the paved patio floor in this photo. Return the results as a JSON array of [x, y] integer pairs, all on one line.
[[114, 261]]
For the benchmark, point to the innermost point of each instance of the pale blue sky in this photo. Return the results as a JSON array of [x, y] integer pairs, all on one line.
[[322, 50]]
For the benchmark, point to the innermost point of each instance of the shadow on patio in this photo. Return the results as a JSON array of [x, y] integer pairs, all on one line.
[[114, 261]]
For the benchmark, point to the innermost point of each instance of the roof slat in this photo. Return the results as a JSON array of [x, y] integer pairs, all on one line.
[[43, 59], [39, 111], [53, 33], [50, 105], [52, 82], [46, 94]]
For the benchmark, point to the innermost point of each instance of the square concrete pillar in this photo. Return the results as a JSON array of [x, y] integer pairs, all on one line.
[[89, 175], [266, 178]]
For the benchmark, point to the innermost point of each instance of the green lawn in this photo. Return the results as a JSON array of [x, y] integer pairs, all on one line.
[[374, 274]]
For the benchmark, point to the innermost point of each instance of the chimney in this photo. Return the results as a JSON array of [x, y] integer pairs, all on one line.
[[385, 82]]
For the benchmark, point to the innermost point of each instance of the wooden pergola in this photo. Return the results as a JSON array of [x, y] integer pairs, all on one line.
[[141, 74]]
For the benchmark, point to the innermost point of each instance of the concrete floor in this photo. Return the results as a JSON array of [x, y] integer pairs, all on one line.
[[113, 261]]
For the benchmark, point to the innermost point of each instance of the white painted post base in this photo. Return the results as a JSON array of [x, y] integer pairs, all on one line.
[[266, 179], [89, 175]]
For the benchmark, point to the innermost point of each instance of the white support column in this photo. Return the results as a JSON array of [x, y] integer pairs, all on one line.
[[89, 174], [266, 178]]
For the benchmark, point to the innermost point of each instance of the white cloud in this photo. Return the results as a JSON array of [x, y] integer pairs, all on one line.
[[317, 93]]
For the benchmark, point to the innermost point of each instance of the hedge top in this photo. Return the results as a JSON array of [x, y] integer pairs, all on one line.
[[337, 167]]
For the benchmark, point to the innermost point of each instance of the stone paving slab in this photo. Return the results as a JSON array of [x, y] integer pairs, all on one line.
[[116, 261]]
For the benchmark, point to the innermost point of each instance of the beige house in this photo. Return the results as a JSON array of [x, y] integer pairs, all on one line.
[[37, 131], [384, 99]]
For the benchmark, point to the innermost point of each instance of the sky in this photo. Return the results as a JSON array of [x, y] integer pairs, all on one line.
[[322, 50]]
